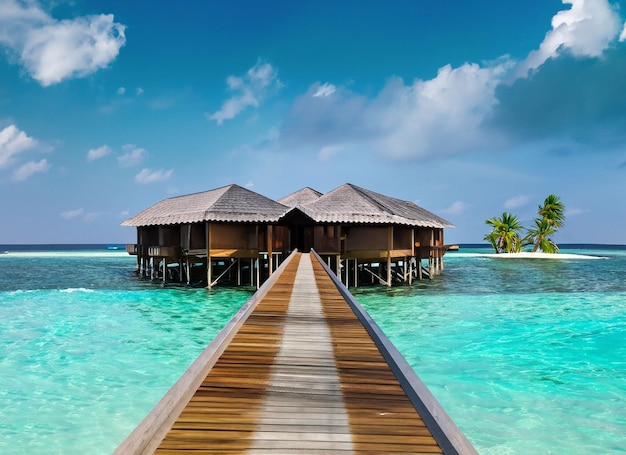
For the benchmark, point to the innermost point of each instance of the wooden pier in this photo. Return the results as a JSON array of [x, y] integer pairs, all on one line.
[[301, 368]]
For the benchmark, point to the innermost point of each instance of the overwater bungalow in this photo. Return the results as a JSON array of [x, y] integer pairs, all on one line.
[[236, 234]]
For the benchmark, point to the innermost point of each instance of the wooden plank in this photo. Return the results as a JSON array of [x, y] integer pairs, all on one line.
[[301, 375], [448, 436], [148, 434]]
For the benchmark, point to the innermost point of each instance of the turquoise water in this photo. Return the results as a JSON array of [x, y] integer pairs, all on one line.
[[87, 349], [527, 356]]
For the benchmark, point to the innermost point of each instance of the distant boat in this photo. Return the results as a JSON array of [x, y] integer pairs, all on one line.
[[113, 247]]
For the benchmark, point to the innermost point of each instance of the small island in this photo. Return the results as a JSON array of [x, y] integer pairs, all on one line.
[[508, 242]]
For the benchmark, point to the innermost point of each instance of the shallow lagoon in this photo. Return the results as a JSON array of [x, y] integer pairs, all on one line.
[[526, 356]]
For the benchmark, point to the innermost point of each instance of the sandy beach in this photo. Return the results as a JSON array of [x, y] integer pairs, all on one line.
[[540, 255]]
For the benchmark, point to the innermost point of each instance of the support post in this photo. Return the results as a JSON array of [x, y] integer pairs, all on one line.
[[258, 272], [389, 247], [270, 256], [209, 269]]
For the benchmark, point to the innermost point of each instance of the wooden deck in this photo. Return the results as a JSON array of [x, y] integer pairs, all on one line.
[[301, 374]]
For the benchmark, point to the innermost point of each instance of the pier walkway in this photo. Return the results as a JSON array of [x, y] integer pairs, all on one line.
[[299, 369]]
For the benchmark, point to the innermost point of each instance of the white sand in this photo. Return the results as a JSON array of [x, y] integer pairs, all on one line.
[[539, 255]]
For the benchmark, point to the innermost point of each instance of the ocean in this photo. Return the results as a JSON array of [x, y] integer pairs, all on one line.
[[527, 356]]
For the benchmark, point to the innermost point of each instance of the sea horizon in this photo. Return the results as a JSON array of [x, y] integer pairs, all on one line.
[[122, 246]]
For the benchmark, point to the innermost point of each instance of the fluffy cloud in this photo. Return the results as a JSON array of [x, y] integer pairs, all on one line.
[[80, 213], [250, 90], [54, 50], [516, 201], [584, 30], [69, 214], [12, 142], [32, 167], [324, 90], [150, 176], [403, 121], [575, 212], [132, 156], [456, 208], [97, 153], [465, 108]]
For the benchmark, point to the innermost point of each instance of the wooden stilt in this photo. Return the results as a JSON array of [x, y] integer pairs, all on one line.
[[209, 269], [389, 247], [258, 272], [431, 268], [404, 277], [270, 255]]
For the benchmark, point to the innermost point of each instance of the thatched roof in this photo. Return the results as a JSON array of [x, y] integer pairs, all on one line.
[[348, 204], [230, 203], [354, 205], [301, 197]]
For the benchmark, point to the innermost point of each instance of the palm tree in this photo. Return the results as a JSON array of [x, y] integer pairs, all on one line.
[[551, 218], [504, 235], [540, 236], [553, 211]]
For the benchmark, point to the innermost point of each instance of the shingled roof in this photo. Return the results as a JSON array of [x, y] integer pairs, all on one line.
[[354, 205], [230, 203], [301, 197]]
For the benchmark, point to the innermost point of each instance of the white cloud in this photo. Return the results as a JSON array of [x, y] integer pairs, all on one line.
[[133, 155], [517, 201], [150, 176], [328, 151], [91, 217], [622, 36], [121, 91], [440, 116], [54, 50], [584, 30], [324, 90], [12, 142], [449, 114], [415, 120], [32, 167], [139, 91], [249, 184], [575, 212], [69, 214], [80, 213], [250, 90], [97, 153], [456, 208]]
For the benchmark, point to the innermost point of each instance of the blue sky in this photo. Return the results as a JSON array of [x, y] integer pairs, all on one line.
[[468, 109]]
